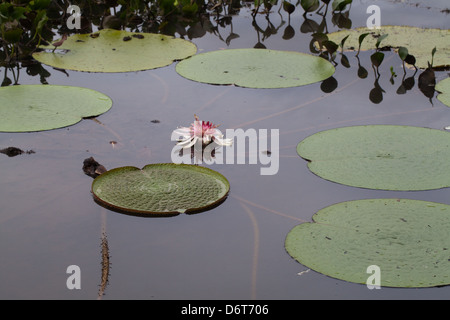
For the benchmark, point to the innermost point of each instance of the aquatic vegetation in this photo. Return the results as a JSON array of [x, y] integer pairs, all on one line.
[[105, 48], [204, 132], [419, 42], [382, 157], [28, 108], [406, 239], [255, 68], [443, 87], [160, 189]]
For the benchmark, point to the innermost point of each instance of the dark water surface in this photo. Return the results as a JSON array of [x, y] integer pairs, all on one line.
[[49, 221]]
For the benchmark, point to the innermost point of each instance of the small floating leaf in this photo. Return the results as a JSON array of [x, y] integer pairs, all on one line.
[[380, 157], [160, 189], [115, 51], [26, 108], [255, 68], [407, 239]]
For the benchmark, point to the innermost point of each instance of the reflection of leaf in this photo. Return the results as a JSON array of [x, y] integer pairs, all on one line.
[[329, 85], [406, 239], [407, 84], [320, 38], [231, 37], [309, 25], [344, 61], [376, 94], [362, 72], [377, 58], [380, 157], [330, 46], [342, 20], [289, 32]]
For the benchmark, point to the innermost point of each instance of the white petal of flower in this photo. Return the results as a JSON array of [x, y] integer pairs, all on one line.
[[193, 141], [184, 142], [223, 142], [184, 131]]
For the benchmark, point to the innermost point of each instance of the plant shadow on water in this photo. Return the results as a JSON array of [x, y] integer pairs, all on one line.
[[50, 221]]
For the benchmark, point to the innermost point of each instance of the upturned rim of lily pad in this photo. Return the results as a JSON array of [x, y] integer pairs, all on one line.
[[169, 213]]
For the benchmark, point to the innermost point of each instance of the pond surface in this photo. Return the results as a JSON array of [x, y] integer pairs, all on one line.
[[49, 221]]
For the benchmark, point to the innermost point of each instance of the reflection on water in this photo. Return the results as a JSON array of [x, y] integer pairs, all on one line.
[[48, 219], [105, 266]]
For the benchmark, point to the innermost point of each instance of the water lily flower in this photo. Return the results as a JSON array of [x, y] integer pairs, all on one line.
[[206, 132]]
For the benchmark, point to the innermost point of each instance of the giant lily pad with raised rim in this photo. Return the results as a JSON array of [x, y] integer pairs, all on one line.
[[116, 51], [163, 189], [382, 157], [419, 41], [443, 87], [255, 68], [407, 239], [27, 108]]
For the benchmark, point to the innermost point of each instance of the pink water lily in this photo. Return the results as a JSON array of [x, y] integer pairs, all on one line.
[[206, 132]]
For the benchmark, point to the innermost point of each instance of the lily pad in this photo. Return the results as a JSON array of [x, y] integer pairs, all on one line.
[[407, 239], [26, 108], [443, 87], [255, 68], [419, 41], [116, 51], [164, 189], [382, 157]]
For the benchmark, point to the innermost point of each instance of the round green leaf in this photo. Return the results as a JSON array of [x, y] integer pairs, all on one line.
[[116, 51], [419, 42], [380, 157], [26, 108], [443, 87], [160, 189], [255, 68], [407, 239]]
